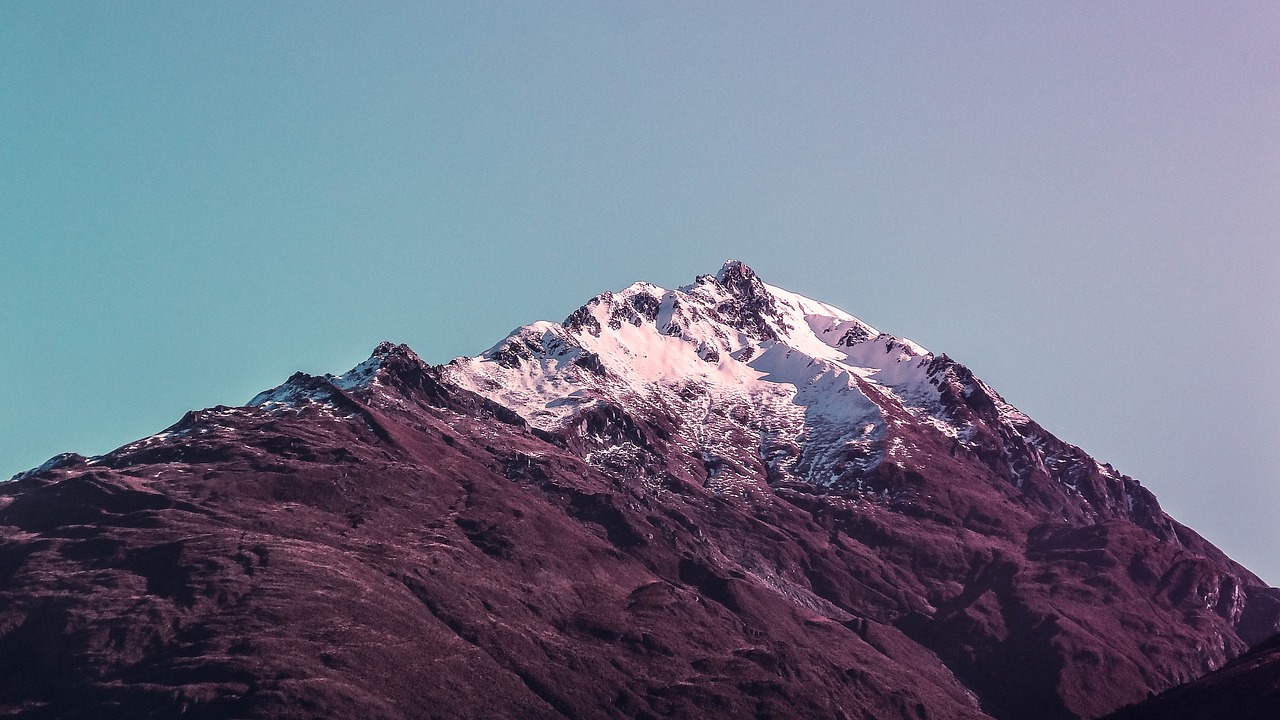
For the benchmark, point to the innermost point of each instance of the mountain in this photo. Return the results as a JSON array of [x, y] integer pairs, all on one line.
[[725, 500], [1247, 688]]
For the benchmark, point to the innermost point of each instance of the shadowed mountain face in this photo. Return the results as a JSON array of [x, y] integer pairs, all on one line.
[[725, 500], [1247, 688]]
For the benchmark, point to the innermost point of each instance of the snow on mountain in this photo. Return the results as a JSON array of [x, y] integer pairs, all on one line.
[[731, 358], [725, 480], [749, 385], [813, 393], [326, 393]]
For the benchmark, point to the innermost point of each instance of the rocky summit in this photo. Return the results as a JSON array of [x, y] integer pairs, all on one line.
[[721, 501]]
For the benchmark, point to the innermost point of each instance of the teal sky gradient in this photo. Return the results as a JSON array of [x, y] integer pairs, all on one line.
[[1080, 201]]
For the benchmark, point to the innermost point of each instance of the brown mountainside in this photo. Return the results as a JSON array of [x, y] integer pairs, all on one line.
[[674, 504]]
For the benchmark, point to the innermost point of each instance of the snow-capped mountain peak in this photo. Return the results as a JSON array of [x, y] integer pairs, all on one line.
[[734, 358], [766, 386], [665, 478], [747, 385], [307, 389]]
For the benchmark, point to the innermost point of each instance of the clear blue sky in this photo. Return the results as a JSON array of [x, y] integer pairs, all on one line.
[[1081, 201]]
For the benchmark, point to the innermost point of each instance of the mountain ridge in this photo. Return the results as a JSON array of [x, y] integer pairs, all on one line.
[[867, 529]]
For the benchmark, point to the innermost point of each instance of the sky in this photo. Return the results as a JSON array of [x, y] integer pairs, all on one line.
[[1080, 201]]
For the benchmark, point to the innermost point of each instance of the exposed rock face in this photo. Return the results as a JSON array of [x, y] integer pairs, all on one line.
[[725, 500]]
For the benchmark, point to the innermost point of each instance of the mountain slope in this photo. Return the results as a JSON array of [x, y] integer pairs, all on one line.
[[1247, 688], [724, 500]]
